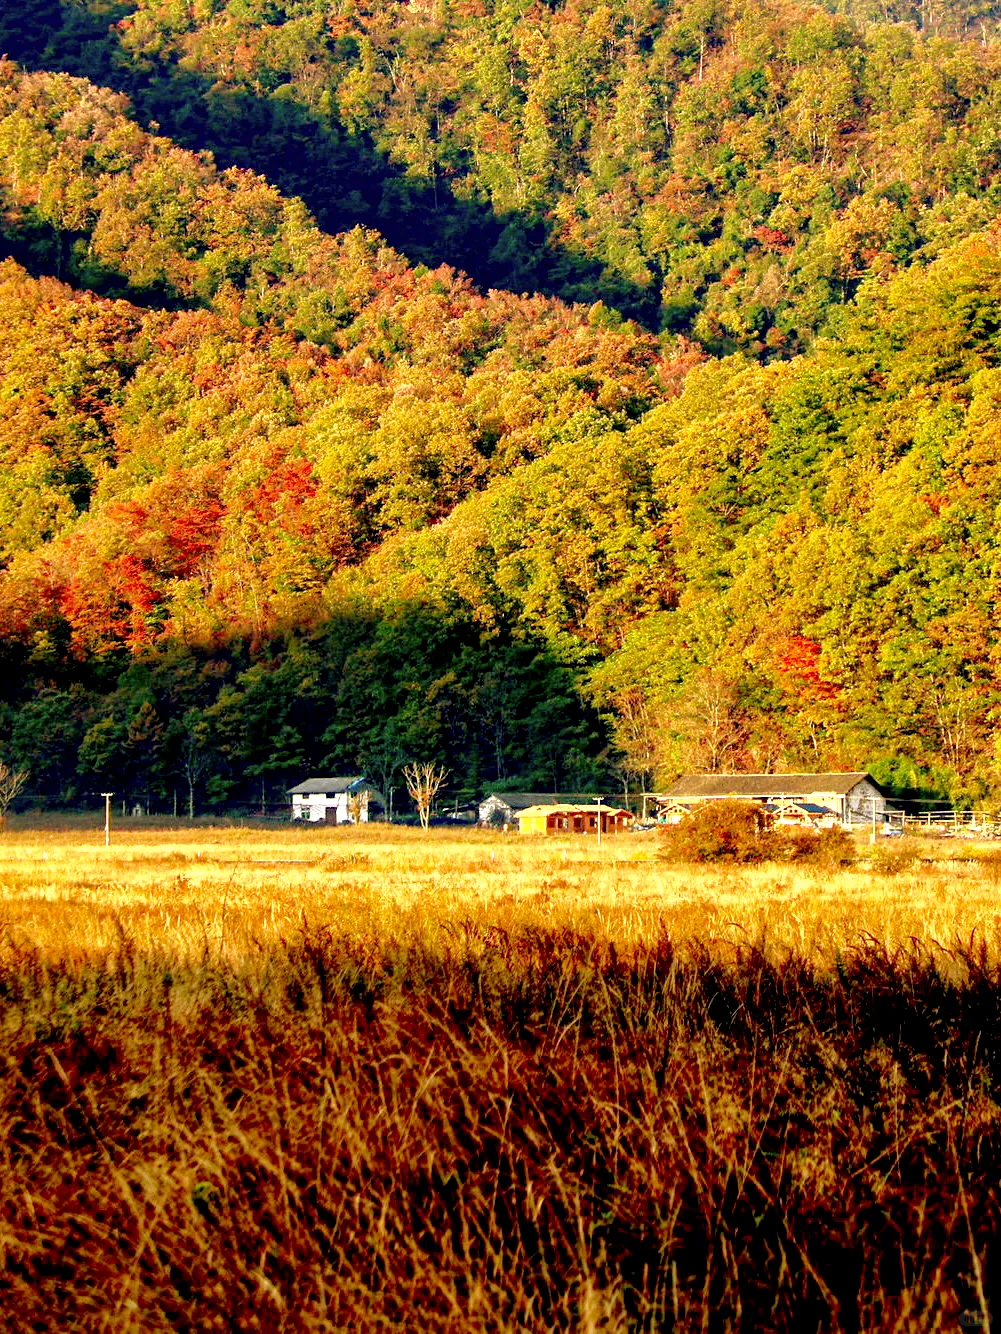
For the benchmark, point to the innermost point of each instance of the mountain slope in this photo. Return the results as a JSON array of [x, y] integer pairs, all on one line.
[[728, 171], [274, 499]]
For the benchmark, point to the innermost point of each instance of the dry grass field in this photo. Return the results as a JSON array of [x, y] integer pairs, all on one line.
[[313, 1079], [227, 891]]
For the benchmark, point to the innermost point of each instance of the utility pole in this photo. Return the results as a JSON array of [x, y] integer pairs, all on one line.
[[392, 789], [107, 817], [598, 800]]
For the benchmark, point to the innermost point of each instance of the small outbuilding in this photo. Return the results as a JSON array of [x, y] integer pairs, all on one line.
[[802, 814], [335, 800], [501, 808], [573, 819], [670, 812]]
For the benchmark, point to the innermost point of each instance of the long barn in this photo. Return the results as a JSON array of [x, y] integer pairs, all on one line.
[[852, 797]]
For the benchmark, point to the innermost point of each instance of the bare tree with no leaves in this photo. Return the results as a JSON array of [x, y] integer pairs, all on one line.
[[11, 783], [194, 755], [714, 725], [423, 784]]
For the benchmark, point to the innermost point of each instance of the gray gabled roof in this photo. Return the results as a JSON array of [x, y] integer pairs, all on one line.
[[327, 786], [694, 787], [520, 801]]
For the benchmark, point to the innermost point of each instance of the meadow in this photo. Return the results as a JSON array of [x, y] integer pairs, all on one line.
[[185, 891], [282, 1078]]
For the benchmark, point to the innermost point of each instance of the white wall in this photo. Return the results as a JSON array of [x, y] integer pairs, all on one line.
[[313, 806], [861, 799], [494, 810]]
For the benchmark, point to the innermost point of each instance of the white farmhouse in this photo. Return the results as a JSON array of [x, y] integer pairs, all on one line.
[[334, 800]]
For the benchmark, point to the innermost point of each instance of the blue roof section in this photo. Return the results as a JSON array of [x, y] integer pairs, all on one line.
[[810, 807]]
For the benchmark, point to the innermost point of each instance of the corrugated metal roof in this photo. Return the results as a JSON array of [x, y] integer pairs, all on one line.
[[329, 787], [696, 787], [518, 801]]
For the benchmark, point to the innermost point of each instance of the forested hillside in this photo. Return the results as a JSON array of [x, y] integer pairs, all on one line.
[[693, 465], [722, 167]]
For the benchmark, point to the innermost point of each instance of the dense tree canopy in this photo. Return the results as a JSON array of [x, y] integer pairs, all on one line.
[[275, 498], [722, 168]]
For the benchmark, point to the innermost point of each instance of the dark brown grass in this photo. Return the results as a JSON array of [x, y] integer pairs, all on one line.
[[526, 1132]]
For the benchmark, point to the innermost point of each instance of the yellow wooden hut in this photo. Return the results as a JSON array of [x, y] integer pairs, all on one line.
[[575, 819]]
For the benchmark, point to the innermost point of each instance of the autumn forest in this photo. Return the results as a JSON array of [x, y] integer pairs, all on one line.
[[569, 393]]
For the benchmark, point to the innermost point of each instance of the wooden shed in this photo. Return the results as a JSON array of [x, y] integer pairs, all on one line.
[[573, 819], [802, 814]]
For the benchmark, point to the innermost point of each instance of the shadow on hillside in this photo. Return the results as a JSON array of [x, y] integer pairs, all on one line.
[[365, 690], [343, 178], [46, 252]]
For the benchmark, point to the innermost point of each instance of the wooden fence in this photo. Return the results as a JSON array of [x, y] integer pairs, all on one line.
[[969, 824]]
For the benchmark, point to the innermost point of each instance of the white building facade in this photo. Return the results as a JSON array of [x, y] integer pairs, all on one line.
[[332, 800]]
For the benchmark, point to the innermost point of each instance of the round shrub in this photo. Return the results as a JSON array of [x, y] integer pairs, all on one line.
[[719, 831], [742, 832]]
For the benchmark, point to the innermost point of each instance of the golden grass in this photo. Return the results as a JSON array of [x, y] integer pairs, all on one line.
[[232, 890], [320, 1079]]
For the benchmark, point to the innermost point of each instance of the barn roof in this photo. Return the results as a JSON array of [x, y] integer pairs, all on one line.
[[699, 786], [571, 808], [327, 786]]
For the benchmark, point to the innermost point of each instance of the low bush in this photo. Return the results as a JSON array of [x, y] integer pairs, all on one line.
[[891, 861], [719, 831], [831, 848], [742, 832]]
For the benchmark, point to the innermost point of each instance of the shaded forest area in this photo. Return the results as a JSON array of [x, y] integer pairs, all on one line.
[[726, 169], [253, 469], [345, 173]]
